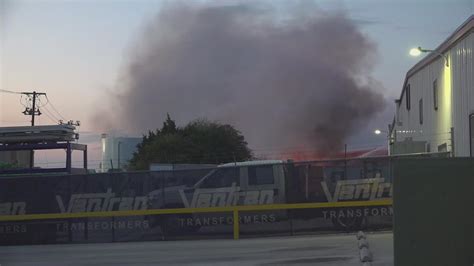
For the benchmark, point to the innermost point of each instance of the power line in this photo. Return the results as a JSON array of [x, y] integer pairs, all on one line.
[[34, 110], [48, 113], [12, 92], [41, 104], [54, 108]]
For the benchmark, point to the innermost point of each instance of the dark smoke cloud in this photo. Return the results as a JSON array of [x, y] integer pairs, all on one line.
[[299, 78]]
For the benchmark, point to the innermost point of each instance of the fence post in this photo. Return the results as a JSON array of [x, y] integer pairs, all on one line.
[[236, 224], [451, 134]]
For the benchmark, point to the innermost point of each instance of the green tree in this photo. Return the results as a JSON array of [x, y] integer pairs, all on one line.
[[200, 141]]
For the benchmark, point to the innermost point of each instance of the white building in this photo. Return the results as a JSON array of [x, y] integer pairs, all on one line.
[[117, 151], [435, 111]]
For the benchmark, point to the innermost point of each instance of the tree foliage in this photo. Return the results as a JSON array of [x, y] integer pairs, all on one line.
[[6, 165], [200, 141]]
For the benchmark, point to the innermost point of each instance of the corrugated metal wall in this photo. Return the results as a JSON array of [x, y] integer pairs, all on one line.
[[463, 93], [455, 101], [436, 123]]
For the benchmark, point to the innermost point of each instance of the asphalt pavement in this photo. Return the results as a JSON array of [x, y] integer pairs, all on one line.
[[329, 250]]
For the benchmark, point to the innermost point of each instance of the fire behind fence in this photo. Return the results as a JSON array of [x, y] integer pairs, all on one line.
[[251, 183]]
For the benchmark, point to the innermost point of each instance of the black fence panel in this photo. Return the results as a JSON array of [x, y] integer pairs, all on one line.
[[239, 184]]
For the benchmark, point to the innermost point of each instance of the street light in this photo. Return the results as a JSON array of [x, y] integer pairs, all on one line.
[[417, 51], [378, 132], [390, 139]]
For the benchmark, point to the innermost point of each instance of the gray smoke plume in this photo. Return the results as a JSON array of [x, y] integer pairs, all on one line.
[[297, 78]]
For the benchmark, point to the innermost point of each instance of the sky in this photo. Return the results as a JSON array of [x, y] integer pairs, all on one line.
[[75, 50]]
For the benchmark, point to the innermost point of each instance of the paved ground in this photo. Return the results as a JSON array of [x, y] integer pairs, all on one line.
[[381, 246], [298, 250]]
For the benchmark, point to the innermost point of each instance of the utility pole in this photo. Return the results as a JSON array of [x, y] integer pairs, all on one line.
[[451, 133], [119, 165], [345, 161], [33, 112]]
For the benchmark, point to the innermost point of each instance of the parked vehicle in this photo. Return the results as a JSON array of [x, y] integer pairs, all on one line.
[[273, 182]]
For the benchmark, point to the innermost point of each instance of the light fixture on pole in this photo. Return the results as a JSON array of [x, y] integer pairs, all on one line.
[[378, 132], [417, 51], [389, 137]]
